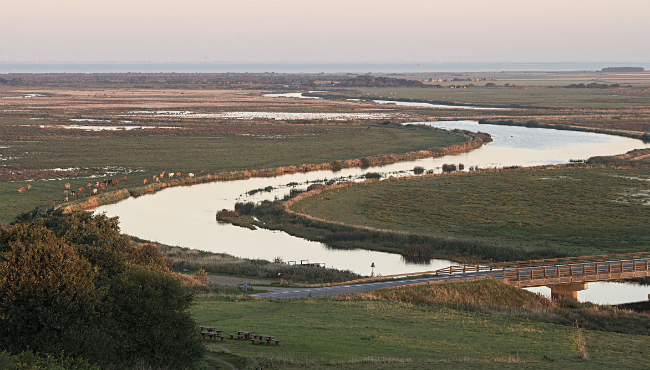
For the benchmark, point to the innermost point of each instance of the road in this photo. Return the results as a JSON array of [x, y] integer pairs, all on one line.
[[358, 288], [522, 276]]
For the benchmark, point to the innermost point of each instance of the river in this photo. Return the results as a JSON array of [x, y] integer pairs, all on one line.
[[185, 216], [379, 101]]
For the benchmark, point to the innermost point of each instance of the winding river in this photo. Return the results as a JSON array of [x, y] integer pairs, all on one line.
[[185, 216]]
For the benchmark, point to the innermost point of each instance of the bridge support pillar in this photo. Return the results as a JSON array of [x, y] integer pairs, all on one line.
[[569, 290]]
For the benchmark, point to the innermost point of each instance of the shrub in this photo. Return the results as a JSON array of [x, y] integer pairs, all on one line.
[[418, 170], [315, 186], [29, 360], [448, 167], [227, 213], [336, 165], [372, 175]]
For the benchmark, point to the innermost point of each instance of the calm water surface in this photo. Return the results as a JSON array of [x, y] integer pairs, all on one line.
[[400, 103], [185, 216]]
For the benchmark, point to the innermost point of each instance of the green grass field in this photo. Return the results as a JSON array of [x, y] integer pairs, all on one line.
[[362, 333], [577, 211], [328, 330], [150, 155], [504, 97]]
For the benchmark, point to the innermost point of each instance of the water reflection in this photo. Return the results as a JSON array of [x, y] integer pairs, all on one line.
[[185, 216], [606, 292], [379, 101]]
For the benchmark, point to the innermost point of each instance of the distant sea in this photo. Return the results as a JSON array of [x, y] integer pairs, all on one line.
[[105, 67]]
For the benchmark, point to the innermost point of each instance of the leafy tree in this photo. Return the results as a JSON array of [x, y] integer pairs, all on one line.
[[150, 308], [47, 293], [71, 283]]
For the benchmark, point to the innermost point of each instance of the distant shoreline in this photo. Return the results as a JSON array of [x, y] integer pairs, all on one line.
[[302, 67]]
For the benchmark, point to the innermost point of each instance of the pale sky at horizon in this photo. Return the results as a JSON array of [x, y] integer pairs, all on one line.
[[325, 31]]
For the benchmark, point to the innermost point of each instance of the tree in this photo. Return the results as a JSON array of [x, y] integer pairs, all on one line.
[[71, 283], [47, 293], [149, 308]]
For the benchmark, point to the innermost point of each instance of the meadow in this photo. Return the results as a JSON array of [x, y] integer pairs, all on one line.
[[395, 329], [529, 97], [578, 211]]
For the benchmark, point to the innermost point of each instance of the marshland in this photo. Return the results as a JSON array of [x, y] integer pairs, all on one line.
[[204, 125]]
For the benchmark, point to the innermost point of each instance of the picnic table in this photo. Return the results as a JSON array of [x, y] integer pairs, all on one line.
[[241, 334], [263, 338], [208, 328]]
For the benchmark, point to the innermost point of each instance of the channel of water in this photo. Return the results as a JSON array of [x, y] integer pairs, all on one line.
[[380, 101], [185, 216]]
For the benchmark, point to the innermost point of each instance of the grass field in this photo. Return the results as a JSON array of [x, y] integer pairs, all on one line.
[[578, 211], [364, 333], [329, 330], [542, 97], [141, 157]]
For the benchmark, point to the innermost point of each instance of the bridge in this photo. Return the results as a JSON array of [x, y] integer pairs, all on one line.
[[565, 276]]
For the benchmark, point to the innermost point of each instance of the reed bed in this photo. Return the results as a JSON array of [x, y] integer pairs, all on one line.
[[221, 263]]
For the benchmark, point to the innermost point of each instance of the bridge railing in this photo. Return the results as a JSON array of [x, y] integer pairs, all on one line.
[[569, 260], [503, 270], [444, 271], [572, 270]]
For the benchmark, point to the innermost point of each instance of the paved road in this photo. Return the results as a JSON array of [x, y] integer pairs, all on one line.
[[280, 292], [357, 288]]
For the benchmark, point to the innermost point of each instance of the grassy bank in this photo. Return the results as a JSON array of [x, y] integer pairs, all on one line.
[[577, 211], [225, 264], [414, 247], [645, 137], [140, 158], [500, 299]]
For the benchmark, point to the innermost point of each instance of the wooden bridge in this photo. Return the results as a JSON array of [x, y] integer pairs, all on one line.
[[565, 276]]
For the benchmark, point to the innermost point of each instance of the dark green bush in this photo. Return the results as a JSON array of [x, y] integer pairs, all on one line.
[[29, 361], [72, 284]]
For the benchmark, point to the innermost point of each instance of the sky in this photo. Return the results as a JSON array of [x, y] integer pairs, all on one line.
[[328, 31]]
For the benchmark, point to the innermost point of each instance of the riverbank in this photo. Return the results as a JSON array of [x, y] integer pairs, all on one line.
[[472, 141], [556, 210], [643, 136]]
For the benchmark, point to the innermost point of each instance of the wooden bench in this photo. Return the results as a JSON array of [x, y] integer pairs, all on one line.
[[212, 334], [254, 341], [232, 336], [277, 341]]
